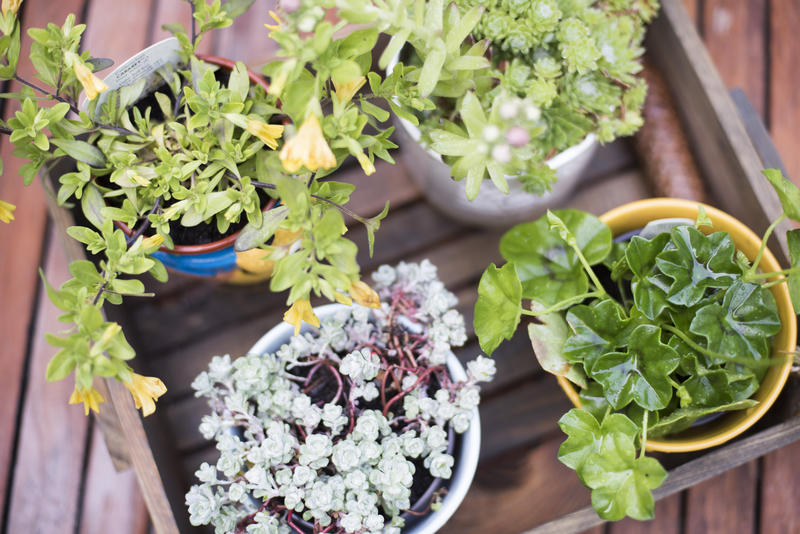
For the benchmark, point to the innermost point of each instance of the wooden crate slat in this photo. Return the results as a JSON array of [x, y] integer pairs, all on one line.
[[780, 486], [112, 501], [668, 520], [257, 49], [693, 472], [723, 149], [52, 434], [733, 33], [709, 504], [108, 40], [784, 108], [23, 239], [521, 491]]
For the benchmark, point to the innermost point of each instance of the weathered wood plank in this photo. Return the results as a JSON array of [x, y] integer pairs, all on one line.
[[709, 504], [52, 435], [517, 492], [257, 49], [784, 108], [104, 38], [780, 486], [733, 33], [693, 472], [667, 520], [112, 501], [21, 246]]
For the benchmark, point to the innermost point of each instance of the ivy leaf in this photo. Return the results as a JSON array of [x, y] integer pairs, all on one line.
[[682, 418], [547, 338], [742, 324], [498, 308], [597, 329], [549, 268], [787, 192], [649, 286], [640, 374], [793, 279], [593, 400], [585, 436], [697, 263], [702, 218], [621, 483]]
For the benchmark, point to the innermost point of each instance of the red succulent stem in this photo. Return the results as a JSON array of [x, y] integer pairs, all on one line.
[[409, 389]]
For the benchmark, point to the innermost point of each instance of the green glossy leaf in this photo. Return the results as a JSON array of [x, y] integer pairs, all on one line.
[[682, 418], [252, 236], [548, 268], [498, 308], [649, 286], [639, 374], [702, 217], [593, 400], [92, 205], [547, 337], [81, 151], [698, 262], [787, 192], [621, 482], [793, 279], [597, 329], [585, 436], [742, 325], [60, 365]]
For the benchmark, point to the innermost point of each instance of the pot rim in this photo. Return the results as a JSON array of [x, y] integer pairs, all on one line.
[[556, 162], [227, 241], [466, 457], [634, 215]]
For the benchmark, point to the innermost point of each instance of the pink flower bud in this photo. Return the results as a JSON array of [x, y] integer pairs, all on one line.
[[518, 136]]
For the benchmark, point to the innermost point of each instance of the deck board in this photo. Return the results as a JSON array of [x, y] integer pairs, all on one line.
[[519, 478]]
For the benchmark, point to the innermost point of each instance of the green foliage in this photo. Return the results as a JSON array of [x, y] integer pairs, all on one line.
[[498, 306], [208, 150], [694, 340]]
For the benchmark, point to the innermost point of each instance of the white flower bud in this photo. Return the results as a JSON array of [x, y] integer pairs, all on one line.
[[501, 153]]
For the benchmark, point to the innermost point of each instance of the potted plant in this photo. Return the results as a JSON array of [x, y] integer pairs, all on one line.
[[198, 142], [676, 336], [364, 424], [514, 92]]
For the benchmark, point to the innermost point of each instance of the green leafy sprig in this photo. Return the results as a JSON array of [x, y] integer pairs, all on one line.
[[657, 331]]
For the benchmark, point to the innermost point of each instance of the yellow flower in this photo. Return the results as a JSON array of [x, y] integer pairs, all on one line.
[[255, 261], [154, 241], [285, 237], [308, 148], [89, 397], [268, 133], [6, 209], [366, 164], [342, 299], [276, 18], [91, 83], [299, 312], [346, 91], [145, 390], [364, 295], [11, 6]]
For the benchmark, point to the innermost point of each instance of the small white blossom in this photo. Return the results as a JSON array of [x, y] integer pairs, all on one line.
[[481, 369], [440, 465]]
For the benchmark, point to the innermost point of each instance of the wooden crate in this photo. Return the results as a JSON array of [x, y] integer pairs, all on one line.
[[174, 336]]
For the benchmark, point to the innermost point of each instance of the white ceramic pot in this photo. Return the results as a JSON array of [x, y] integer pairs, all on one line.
[[491, 208], [468, 447]]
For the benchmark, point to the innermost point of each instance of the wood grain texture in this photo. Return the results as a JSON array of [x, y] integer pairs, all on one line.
[[120, 40], [709, 504], [543, 489], [733, 32], [780, 486], [20, 256], [113, 501], [258, 48], [52, 435], [784, 98]]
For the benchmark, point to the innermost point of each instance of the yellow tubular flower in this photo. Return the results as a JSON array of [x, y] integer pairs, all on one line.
[[154, 241], [364, 295], [91, 83], [342, 299], [299, 312], [6, 211], [11, 6], [366, 164], [347, 91], [268, 133], [145, 390], [90, 398], [276, 18], [307, 148]]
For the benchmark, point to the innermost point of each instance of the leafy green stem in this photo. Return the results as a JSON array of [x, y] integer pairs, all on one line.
[[699, 348], [751, 272], [759, 276], [558, 306]]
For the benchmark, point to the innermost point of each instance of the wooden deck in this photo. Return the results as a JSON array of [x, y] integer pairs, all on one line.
[[55, 473]]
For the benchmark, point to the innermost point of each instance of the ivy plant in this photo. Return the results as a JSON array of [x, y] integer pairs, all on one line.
[[658, 332]]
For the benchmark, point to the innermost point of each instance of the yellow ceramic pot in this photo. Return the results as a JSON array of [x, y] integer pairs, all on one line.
[[636, 215]]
